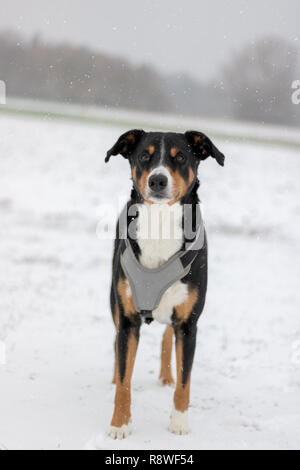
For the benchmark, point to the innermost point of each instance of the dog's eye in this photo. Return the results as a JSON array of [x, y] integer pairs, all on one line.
[[180, 158], [145, 157]]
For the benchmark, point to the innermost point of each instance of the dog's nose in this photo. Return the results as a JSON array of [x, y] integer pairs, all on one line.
[[158, 183]]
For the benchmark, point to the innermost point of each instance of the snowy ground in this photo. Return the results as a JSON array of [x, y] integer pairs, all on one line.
[[54, 316]]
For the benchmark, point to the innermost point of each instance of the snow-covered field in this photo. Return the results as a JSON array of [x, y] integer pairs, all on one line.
[[55, 390]]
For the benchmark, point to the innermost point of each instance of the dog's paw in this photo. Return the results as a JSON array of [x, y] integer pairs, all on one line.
[[179, 423], [119, 433], [165, 381]]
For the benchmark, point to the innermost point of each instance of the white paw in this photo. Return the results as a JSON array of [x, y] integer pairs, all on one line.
[[119, 433], [179, 423]]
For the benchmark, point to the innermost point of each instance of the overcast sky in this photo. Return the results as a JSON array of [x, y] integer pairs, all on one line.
[[196, 36]]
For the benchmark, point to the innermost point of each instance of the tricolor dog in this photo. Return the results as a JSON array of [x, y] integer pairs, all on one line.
[[160, 262]]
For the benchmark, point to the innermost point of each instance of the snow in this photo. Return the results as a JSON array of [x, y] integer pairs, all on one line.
[[55, 319]]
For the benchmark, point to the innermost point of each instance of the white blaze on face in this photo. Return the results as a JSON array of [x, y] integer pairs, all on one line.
[[162, 152], [161, 169]]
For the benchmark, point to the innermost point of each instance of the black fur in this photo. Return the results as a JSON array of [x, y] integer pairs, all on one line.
[[126, 144], [194, 146], [203, 147]]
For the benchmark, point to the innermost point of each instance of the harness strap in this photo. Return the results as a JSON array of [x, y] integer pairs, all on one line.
[[149, 285], [147, 316]]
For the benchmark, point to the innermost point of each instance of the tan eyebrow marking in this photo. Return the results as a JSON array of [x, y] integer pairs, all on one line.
[[150, 149], [174, 151]]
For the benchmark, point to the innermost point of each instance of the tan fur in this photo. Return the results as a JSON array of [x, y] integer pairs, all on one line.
[[184, 310], [182, 392], [180, 186], [117, 317], [127, 301], [142, 183], [122, 411], [173, 152], [166, 356], [134, 174], [114, 380], [151, 149]]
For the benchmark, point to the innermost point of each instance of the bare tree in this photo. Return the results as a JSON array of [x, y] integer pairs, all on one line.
[[258, 81], [256, 85], [63, 72]]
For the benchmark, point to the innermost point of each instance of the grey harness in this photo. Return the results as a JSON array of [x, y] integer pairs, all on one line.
[[149, 285]]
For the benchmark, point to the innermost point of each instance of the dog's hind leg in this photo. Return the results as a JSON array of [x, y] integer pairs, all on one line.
[[114, 380], [116, 322], [165, 376]]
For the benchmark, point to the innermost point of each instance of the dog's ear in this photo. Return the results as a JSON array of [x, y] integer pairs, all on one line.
[[203, 147], [126, 144]]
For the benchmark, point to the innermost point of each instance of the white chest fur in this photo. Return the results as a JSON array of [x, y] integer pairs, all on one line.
[[160, 236]]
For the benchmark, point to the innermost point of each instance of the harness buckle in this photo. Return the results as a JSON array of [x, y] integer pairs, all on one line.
[[147, 316]]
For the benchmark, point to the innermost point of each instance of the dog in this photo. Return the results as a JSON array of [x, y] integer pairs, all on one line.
[[164, 170]]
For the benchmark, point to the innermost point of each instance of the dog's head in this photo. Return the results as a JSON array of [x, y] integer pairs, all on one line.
[[164, 165]]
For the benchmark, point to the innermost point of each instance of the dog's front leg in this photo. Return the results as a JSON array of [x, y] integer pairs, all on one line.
[[126, 348], [185, 349]]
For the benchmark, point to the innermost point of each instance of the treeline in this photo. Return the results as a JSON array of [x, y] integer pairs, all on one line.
[[255, 86]]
